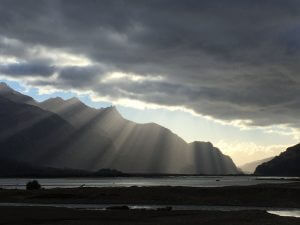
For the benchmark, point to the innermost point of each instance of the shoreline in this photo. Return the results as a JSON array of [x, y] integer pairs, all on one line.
[[150, 181], [178, 207], [285, 195]]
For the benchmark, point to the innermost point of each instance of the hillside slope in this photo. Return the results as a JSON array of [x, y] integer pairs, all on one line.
[[286, 164]]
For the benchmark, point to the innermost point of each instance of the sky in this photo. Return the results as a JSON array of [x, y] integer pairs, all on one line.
[[211, 70]]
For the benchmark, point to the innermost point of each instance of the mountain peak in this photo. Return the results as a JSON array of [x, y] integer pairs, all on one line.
[[9, 93], [203, 143], [5, 87], [112, 110], [74, 100], [60, 100], [77, 102], [55, 100]]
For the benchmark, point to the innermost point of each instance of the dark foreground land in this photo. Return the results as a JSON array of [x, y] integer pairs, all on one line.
[[266, 195], [61, 216]]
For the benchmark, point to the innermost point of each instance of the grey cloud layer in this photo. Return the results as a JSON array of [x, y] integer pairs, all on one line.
[[227, 59], [27, 69]]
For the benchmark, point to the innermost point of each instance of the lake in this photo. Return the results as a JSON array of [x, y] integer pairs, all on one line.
[[189, 181]]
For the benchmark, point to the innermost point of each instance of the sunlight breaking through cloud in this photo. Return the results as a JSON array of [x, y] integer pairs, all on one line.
[[244, 152], [195, 58]]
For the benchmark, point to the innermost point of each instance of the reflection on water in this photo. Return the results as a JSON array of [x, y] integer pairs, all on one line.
[[292, 213], [190, 181]]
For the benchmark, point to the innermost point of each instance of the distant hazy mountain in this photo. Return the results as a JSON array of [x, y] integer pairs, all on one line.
[[251, 166], [95, 139], [286, 164]]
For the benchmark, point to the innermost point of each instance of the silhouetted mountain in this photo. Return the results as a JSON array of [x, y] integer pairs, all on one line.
[[33, 135], [286, 164], [251, 166], [104, 139], [27, 132]]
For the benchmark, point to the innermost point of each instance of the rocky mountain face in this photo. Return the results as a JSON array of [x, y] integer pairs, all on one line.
[[286, 164], [67, 133]]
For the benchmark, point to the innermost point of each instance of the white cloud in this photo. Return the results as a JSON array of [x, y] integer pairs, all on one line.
[[119, 76]]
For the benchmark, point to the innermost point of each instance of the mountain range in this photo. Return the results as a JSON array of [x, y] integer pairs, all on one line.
[[62, 133]]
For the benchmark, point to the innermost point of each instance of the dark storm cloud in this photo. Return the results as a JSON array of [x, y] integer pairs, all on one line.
[[226, 59], [27, 69], [78, 76]]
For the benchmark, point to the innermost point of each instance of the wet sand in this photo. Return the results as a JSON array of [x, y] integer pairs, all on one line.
[[266, 195]]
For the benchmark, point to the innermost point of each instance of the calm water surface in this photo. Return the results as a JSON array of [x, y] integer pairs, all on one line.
[[188, 181]]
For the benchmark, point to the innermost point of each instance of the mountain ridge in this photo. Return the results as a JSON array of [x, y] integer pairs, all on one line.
[[107, 140]]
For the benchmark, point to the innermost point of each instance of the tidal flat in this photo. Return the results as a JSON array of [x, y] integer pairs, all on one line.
[[263, 195]]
